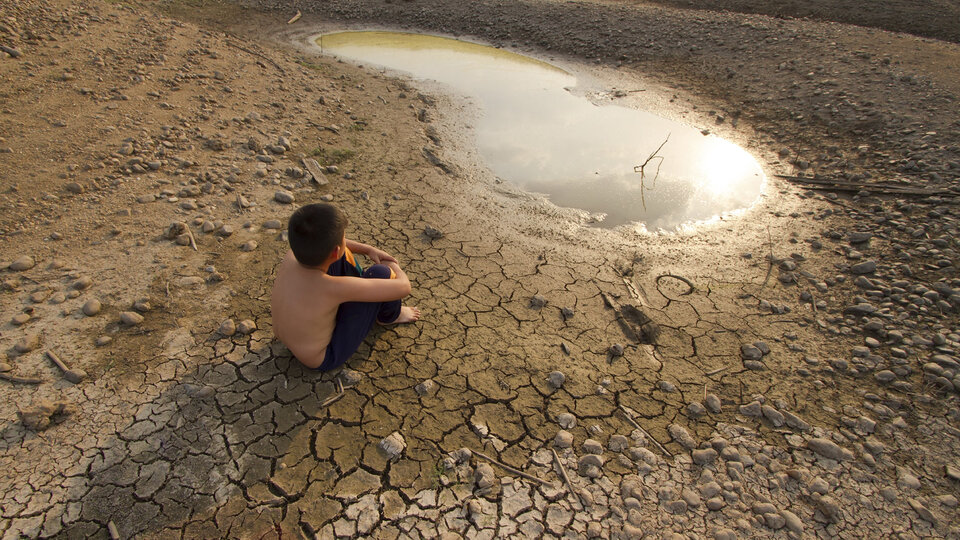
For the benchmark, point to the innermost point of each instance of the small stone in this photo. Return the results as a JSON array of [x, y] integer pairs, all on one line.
[[618, 443], [566, 313], [713, 403], [590, 465], [131, 318], [696, 410], [704, 456], [922, 511], [350, 377], [753, 409], [774, 416], [393, 445], [43, 414], [426, 387], [20, 319], [91, 307], [563, 439], [27, 343], [567, 420], [274, 224], [432, 232], [248, 246], [102, 340], [556, 379], [227, 328], [283, 197], [246, 327], [829, 449], [142, 305], [667, 387], [866, 267], [537, 301], [616, 350], [82, 283], [25, 262], [682, 436], [749, 352], [225, 230], [591, 446]]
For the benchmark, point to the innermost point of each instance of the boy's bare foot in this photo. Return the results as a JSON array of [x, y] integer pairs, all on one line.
[[407, 315]]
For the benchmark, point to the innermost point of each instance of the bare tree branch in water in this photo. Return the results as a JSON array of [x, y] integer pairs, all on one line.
[[640, 169]]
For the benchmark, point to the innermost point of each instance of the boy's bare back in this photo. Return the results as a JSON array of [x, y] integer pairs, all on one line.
[[304, 309]]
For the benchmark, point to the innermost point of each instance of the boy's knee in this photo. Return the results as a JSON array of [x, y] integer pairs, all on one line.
[[378, 271]]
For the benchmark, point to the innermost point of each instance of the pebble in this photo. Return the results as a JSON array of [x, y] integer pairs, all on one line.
[[591, 446], [713, 403], [618, 443], [131, 318], [273, 224], [564, 439], [616, 350], [283, 197], [24, 262], [20, 319], [829, 449], [704, 456], [866, 267], [82, 283], [91, 307], [393, 445], [246, 327], [350, 377], [227, 328], [750, 352], [426, 387], [27, 343], [667, 386], [567, 420], [753, 409], [537, 301], [556, 379], [103, 340], [696, 410], [682, 436], [590, 465], [434, 233], [249, 246]]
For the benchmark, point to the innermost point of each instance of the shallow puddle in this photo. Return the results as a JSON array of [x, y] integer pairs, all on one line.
[[533, 132]]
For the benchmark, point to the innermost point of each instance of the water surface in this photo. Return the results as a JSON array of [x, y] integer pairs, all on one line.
[[533, 132]]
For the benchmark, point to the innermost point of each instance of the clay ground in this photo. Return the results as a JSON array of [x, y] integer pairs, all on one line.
[[793, 389]]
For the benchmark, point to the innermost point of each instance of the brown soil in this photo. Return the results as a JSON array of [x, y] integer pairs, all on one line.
[[118, 120]]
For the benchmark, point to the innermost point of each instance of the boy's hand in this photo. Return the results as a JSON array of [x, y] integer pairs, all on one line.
[[379, 256]]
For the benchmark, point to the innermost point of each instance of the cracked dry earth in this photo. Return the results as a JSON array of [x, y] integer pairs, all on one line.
[[790, 392]]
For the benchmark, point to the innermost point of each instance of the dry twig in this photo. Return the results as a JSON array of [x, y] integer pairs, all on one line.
[[566, 478], [510, 469], [641, 169], [633, 422]]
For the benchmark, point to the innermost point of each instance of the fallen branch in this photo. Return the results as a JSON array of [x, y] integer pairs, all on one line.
[[21, 380], [680, 278], [510, 469], [645, 432], [260, 55], [715, 371], [640, 169], [566, 478], [295, 17], [193, 241]]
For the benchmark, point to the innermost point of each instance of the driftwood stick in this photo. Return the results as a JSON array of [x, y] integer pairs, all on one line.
[[21, 380], [718, 370], [510, 469], [295, 17], [339, 385], [566, 478], [193, 241], [645, 432]]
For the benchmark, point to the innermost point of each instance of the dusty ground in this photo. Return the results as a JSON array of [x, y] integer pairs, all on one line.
[[119, 120]]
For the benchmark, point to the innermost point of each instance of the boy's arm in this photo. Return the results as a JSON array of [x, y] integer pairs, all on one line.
[[351, 289], [376, 255]]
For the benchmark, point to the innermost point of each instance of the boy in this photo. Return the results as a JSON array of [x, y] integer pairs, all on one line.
[[323, 303]]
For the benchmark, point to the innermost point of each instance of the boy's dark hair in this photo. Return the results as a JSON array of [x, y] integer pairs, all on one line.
[[314, 231]]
